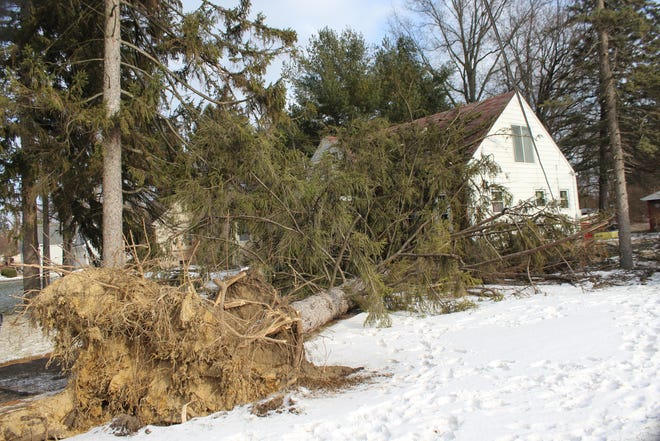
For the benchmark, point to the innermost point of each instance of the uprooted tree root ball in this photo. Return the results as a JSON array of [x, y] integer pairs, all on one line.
[[162, 354]]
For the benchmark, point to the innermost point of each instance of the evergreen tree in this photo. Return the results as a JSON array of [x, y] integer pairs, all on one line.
[[332, 81], [339, 79], [407, 88], [633, 48], [30, 116], [221, 46]]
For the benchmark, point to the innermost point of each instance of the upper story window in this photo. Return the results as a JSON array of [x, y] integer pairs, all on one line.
[[523, 148]]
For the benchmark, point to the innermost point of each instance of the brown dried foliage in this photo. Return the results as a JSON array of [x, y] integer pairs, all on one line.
[[164, 354]]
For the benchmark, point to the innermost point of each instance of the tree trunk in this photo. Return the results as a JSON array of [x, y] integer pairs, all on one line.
[[30, 245], [319, 309], [603, 162], [46, 262], [113, 242], [68, 259], [609, 97]]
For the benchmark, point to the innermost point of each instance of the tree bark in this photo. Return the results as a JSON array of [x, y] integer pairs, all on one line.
[[45, 221], [113, 242], [616, 150], [603, 162], [68, 260], [30, 243], [322, 308]]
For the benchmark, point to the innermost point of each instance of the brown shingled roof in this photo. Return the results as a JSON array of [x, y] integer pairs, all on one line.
[[474, 119]]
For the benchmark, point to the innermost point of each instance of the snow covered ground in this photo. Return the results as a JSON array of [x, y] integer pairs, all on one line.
[[19, 339], [568, 363]]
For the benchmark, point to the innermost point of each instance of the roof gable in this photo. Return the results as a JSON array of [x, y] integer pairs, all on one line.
[[474, 119]]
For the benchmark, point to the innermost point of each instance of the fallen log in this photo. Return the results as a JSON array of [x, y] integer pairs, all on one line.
[[319, 309], [314, 311]]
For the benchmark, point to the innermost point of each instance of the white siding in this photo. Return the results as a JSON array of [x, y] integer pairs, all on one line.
[[522, 179]]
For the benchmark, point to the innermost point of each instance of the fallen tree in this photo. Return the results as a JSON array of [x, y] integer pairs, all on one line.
[[398, 211], [318, 310], [160, 354]]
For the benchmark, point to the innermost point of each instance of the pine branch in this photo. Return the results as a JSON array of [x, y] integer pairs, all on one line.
[[177, 78], [534, 250]]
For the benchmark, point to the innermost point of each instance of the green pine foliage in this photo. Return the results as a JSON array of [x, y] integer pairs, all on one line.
[[634, 31], [52, 53], [374, 209], [339, 78], [408, 88], [390, 213]]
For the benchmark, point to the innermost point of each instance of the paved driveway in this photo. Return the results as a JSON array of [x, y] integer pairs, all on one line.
[[10, 291]]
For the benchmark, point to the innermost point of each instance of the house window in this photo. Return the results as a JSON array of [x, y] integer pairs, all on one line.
[[442, 205], [523, 148], [539, 197], [563, 198], [497, 199]]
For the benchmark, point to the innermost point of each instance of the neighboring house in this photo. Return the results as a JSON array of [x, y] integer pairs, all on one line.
[[176, 242], [529, 171], [532, 167], [80, 256], [653, 205], [327, 146]]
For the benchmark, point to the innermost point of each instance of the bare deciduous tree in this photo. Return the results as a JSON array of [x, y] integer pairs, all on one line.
[[539, 44], [458, 32]]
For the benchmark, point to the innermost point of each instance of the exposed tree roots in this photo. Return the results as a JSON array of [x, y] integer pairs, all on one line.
[[159, 354]]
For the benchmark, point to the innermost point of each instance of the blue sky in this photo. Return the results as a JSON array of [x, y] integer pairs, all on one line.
[[307, 17]]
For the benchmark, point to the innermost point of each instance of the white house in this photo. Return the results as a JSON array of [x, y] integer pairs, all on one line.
[[79, 251], [531, 165], [532, 168]]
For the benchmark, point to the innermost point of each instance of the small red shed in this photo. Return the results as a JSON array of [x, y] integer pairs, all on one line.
[[653, 204]]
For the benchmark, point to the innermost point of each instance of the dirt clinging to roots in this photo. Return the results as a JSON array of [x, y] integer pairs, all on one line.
[[163, 354]]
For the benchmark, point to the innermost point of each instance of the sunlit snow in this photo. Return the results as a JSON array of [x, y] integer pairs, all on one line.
[[564, 363]]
